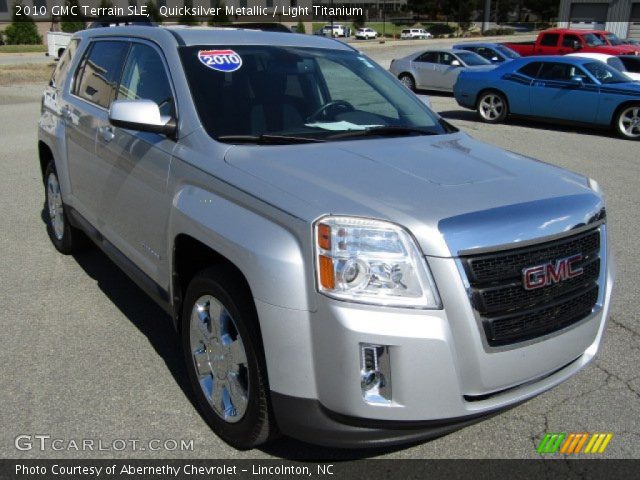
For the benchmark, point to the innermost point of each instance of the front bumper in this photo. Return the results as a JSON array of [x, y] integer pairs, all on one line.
[[443, 377]]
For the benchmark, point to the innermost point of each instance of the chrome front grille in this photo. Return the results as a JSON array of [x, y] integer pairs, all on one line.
[[512, 314]]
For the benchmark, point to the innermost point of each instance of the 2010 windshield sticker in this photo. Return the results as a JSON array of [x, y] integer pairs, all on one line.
[[220, 60]]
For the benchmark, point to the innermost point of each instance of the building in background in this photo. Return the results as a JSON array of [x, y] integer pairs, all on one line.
[[621, 17]]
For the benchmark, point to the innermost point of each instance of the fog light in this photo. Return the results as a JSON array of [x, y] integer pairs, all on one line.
[[375, 373]]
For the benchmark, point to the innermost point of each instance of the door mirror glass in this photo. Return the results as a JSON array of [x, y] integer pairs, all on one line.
[[455, 63], [577, 79], [141, 115], [495, 59], [576, 45]]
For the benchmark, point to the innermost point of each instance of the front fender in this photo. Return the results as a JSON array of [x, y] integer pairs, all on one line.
[[270, 256]]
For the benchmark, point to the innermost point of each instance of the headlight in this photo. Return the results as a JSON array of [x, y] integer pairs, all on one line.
[[370, 261]]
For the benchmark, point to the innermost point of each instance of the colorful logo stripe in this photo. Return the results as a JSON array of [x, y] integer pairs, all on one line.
[[574, 443]]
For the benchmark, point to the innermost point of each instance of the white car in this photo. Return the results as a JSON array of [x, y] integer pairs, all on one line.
[[610, 60], [336, 30], [366, 33], [414, 33]]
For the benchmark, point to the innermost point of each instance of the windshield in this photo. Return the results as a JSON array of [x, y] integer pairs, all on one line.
[[592, 40], [507, 52], [616, 63], [472, 59], [606, 74], [306, 93], [613, 39]]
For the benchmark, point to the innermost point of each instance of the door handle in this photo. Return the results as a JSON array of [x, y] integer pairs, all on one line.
[[538, 84], [66, 113], [106, 133]]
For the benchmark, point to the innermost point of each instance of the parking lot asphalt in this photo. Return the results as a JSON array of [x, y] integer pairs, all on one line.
[[84, 354]]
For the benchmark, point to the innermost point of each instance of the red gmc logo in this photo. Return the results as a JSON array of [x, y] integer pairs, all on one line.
[[551, 272]]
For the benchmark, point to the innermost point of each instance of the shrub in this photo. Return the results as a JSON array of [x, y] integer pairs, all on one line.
[[300, 27], [72, 23], [22, 31], [441, 29], [491, 32]]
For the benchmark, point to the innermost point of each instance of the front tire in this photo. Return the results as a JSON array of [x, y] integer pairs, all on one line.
[[492, 107], [64, 237], [225, 360], [627, 122], [408, 81]]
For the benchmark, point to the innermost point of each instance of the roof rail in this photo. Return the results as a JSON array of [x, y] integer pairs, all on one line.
[[115, 21], [265, 26]]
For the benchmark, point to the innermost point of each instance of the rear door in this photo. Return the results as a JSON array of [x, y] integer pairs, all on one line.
[[86, 110], [135, 165], [554, 95]]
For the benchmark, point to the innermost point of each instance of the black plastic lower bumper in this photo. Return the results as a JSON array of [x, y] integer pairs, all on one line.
[[307, 420]]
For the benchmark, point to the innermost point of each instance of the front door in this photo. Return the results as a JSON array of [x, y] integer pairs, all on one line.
[[135, 166]]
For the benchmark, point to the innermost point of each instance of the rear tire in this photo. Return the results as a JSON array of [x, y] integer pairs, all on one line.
[[492, 107], [408, 81], [627, 122], [224, 357], [64, 237]]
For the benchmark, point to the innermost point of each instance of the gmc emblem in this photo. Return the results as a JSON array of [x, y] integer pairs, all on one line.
[[551, 272]]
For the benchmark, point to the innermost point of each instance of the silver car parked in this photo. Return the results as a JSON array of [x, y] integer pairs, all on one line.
[[436, 69]]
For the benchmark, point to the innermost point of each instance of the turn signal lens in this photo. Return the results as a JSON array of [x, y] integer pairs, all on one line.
[[371, 261]]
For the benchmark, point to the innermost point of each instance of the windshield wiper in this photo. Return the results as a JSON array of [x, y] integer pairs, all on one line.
[[266, 139], [385, 131]]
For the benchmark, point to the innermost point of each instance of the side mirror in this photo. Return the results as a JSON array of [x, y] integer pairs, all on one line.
[[577, 80], [141, 115], [495, 59], [455, 63], [576, 45]]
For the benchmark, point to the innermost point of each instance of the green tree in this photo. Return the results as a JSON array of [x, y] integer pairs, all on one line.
[[105, 4], [72, 23], [222, 17], [187, 19], [23, 30], [300, 27], [546, 10], [154, 12]]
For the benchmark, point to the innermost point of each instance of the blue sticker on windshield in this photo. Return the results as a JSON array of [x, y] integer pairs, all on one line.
[[220, 60]]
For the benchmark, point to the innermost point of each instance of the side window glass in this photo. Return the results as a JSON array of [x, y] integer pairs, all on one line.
[[568, 40], [530, 69], [549, 40], [144, 78], [446, 58], [562, 72], [429, 57], [99, 72], [64, 64]]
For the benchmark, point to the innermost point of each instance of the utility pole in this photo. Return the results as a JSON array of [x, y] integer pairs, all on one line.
[[487, 15]]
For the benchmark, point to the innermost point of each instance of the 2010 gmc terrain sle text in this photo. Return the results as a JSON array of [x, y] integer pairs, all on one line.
[[341, 264]]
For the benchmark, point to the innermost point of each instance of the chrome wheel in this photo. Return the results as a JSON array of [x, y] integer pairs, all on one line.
[[407, 81], [219, 358], [629, 122], [491, 107], [54, 202]]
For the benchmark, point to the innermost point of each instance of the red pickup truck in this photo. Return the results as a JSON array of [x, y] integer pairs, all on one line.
[[559, 41]]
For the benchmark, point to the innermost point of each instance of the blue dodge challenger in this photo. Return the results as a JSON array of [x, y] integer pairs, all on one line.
[[563, 89]]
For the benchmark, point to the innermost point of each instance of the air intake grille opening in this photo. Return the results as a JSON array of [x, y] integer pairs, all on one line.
[[512, 314]]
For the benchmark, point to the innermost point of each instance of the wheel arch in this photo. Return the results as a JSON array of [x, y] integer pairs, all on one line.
[[45, 156], [491, 89], [621, 107]]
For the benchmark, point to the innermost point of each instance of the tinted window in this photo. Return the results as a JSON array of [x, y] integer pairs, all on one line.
[[100, 71], [431, 57], [64, 64], [561, 72], [592, 40], [549, 39], [507, 52], [569, 40], [530, 69], [297, 91], [144, 77], [446, 58], [616, 63], [632, 64]]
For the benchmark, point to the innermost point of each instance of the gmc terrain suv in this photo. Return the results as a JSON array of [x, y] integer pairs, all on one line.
[[342, 265]]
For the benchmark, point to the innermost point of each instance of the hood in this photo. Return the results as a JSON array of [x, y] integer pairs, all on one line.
[[442, 188]]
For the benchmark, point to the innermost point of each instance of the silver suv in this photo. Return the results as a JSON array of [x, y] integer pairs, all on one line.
[[341, 264]]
